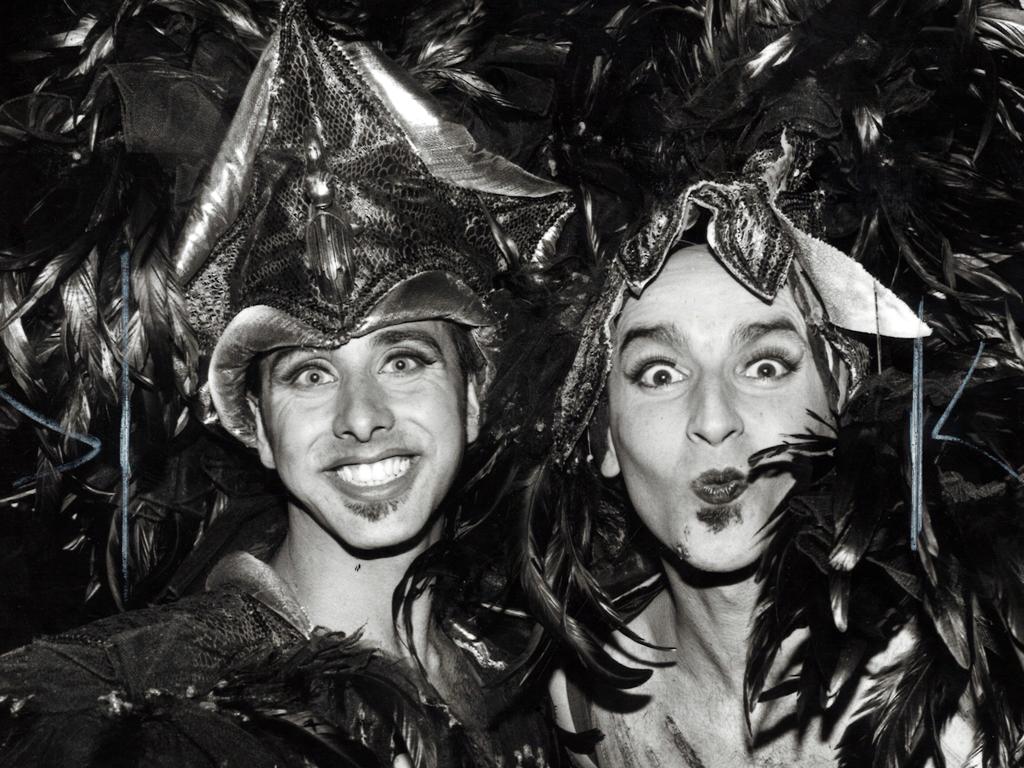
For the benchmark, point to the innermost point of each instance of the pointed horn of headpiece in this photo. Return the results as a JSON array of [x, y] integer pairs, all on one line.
[[227, 183], [853, 298], [447, 149]]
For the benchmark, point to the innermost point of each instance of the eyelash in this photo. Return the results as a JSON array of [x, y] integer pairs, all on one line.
[[420, 357], [291, 375], [791, 362], [637, 370]]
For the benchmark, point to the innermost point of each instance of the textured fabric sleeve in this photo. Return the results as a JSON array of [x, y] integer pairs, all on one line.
[[135, 690]]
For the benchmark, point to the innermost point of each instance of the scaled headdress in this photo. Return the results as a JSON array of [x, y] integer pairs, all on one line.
[[868, 154], [343, 202]]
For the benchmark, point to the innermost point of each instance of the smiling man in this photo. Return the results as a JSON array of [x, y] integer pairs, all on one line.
[[340, 263], [367, 438], [405, 402]]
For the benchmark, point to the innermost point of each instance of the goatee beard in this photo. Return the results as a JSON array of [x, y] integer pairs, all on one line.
[[719, 517], [374, 510]]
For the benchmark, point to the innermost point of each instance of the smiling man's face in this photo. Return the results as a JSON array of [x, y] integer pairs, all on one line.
[[368, 437]]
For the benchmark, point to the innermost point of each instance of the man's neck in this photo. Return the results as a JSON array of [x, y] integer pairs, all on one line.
[[708, 619], [346, 591]]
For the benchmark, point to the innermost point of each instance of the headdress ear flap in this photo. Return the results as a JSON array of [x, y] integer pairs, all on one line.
[[853, 298], [228, 181]]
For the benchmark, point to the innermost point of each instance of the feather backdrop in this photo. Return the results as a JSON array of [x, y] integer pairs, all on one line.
[[915, 110], [956, 595], [99, 160]]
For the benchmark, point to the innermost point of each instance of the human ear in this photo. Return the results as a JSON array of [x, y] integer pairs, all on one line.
[[262, 443], [472, 411], [599, 440]]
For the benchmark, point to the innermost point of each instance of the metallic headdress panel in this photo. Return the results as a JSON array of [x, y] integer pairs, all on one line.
[[346, 201], [762, 248], [757, 243], [338, 166]]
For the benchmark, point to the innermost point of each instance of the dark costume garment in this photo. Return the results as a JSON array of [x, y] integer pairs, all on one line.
[[237, 676]]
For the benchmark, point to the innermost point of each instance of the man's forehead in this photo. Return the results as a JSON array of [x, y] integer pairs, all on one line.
[[695, 298], [438, 333]]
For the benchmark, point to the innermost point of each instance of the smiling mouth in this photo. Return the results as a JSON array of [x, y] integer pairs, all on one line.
[[719, 486], [375, 473]]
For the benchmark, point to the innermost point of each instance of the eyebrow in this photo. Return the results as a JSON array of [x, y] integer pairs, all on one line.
[[751, 332], [744, 334], [276, 356], [392, 336], [662, 334]]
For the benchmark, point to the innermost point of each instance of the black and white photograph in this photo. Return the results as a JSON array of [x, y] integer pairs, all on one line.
[[512, 384]]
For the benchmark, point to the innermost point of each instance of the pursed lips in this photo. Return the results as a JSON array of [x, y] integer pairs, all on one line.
[[719, 486]]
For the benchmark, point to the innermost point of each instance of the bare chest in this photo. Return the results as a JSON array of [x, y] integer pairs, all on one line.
[[666, 723]]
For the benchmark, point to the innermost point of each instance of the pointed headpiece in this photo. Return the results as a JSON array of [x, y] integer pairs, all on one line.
[[343, 201]]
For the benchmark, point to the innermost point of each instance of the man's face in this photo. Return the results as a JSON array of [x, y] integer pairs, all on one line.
[[705, 374], [368, 437]]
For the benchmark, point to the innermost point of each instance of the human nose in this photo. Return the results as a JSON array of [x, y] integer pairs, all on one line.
[[713, 416], [361, 408]]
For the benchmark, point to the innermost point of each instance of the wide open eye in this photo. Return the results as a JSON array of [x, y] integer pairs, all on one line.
[[767, 368], [312, 376], [657, 375], [402, 363]]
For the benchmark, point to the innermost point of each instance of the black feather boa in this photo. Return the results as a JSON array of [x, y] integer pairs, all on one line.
[[840, 563]]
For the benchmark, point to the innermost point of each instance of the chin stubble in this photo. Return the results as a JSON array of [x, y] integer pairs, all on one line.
[[720, 516], [374, 510]]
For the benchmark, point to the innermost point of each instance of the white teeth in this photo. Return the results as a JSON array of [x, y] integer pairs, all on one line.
[[376, 473]]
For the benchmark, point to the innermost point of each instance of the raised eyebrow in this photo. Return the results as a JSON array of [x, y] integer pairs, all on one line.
[[662, 334], [391, 337], [751, 332], [278, 356]]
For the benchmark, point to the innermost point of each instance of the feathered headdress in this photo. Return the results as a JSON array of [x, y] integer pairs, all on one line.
[[106, 156]]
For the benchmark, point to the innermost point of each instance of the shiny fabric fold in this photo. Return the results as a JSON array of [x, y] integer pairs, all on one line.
[[227, 182], [252, 332], [249, 574]]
